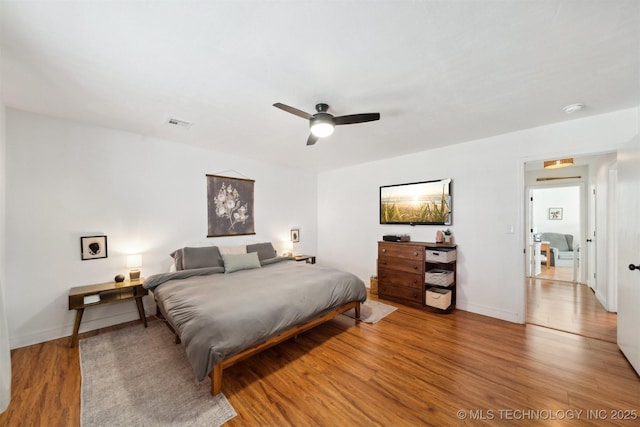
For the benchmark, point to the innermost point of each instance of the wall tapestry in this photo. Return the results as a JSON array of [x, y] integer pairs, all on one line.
[[230, 206]]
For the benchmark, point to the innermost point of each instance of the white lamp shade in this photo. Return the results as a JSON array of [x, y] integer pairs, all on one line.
[[322, 129], [134, 261]]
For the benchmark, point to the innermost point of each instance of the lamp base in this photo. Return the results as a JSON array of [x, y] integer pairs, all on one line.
[[134, 275]]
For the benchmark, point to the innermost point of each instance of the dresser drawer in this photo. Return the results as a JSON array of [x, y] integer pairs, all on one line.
[[401, 264], [394, 277], [400, 292], [400, 251]]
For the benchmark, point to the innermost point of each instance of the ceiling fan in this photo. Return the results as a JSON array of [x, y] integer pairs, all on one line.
[[322, 123]]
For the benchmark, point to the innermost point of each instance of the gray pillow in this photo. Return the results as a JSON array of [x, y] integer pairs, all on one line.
[[177, 256], [241, 262], [264, 250], [206, 256], [274, 260]]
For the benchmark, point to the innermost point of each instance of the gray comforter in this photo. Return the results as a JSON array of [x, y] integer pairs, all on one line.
[[218, 315]]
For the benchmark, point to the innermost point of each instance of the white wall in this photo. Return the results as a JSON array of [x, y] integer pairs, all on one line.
[[66, 180], [604, 179], [566, 198], [5, 355], [488, 199]]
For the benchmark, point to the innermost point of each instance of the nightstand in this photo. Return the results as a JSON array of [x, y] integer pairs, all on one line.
[[310, 259], [81, 297]]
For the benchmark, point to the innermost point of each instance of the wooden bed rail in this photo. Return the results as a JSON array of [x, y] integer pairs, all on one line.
[[216, 371]]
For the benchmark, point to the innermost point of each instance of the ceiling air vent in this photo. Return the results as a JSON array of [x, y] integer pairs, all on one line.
[[179, 123]]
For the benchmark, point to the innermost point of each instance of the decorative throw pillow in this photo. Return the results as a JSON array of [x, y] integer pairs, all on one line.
[[264, 250], [206, 256], [236, 262]]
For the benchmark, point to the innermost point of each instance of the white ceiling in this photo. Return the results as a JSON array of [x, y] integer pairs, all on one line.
[[439, 72]]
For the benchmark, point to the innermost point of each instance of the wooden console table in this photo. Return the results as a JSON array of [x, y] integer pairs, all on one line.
[[81, 297], [544, 246]]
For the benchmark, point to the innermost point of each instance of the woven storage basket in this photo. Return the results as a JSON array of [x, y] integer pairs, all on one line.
[[441, 255], [439, 277], [373, 289], [439, 298]]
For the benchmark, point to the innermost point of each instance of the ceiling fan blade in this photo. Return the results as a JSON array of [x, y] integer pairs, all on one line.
[[356, 118], [292, 110], [312, 139]]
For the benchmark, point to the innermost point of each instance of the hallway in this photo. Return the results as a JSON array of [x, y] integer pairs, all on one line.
[[569, 307]]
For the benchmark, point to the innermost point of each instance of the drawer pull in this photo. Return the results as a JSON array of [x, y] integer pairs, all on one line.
[[384, 250], [415, 267], [415, 254], [384, 262]]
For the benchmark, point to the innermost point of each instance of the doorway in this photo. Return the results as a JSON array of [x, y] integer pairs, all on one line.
[[557, 220], [563, 203]]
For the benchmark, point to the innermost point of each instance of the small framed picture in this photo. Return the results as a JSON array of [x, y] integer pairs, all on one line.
[[555, 213], [295, 235], [93, 247]]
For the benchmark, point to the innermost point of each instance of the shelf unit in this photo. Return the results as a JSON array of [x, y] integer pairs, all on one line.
[[402, 267]]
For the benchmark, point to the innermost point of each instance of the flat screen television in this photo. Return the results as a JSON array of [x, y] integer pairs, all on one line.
[[416, 203]]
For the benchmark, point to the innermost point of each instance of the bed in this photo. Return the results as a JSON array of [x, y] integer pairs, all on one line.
[[225, 313]]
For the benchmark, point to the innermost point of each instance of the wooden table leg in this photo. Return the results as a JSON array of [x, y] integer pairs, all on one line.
[[76, 327], [141, 311]]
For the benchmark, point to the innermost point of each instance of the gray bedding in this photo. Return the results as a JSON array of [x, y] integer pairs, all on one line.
[[218, 315]]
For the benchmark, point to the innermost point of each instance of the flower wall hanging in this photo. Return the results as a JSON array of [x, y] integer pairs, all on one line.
[[229, 206]]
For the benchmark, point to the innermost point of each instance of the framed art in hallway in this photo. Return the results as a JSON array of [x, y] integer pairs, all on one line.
[[93, 247], [555, 213]]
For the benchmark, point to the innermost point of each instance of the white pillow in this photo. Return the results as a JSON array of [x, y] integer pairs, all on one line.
[[233, 250]]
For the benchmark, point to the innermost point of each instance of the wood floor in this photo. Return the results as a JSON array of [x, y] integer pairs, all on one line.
[[412, 368], [570, 307], [556, 273]]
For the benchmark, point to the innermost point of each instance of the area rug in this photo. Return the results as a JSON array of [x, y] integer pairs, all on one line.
[[371, 311], [137, 376]]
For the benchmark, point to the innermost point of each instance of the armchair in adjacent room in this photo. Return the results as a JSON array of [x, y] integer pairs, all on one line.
[[563, 250]]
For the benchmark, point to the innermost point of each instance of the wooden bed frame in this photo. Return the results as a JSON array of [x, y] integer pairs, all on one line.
[[216, 371]]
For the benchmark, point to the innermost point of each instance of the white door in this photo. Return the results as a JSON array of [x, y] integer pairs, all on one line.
[[590, 248], [533, 261], [629, 253]]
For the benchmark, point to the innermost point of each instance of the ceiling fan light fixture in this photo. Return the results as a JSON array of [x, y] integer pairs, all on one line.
[[322, 127], [322, 123], [556, 164]]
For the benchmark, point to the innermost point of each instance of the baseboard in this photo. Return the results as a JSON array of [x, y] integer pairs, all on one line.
[[66, 330], [492, 312], [602, 300]]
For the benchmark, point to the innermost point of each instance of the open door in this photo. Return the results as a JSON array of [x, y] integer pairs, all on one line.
[[629, 253]]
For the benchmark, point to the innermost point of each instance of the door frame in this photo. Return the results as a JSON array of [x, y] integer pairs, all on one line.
[[606, 231], [584, 218]]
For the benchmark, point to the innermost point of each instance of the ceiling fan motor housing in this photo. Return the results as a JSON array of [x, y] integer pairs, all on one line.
[[322, 108]]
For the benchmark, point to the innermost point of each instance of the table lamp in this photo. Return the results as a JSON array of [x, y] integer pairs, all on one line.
[[134, 262]]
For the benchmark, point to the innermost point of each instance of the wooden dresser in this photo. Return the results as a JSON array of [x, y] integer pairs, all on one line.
[[402, 267]]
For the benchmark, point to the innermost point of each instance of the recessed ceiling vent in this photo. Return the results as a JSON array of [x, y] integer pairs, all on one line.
[[179, 123]]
